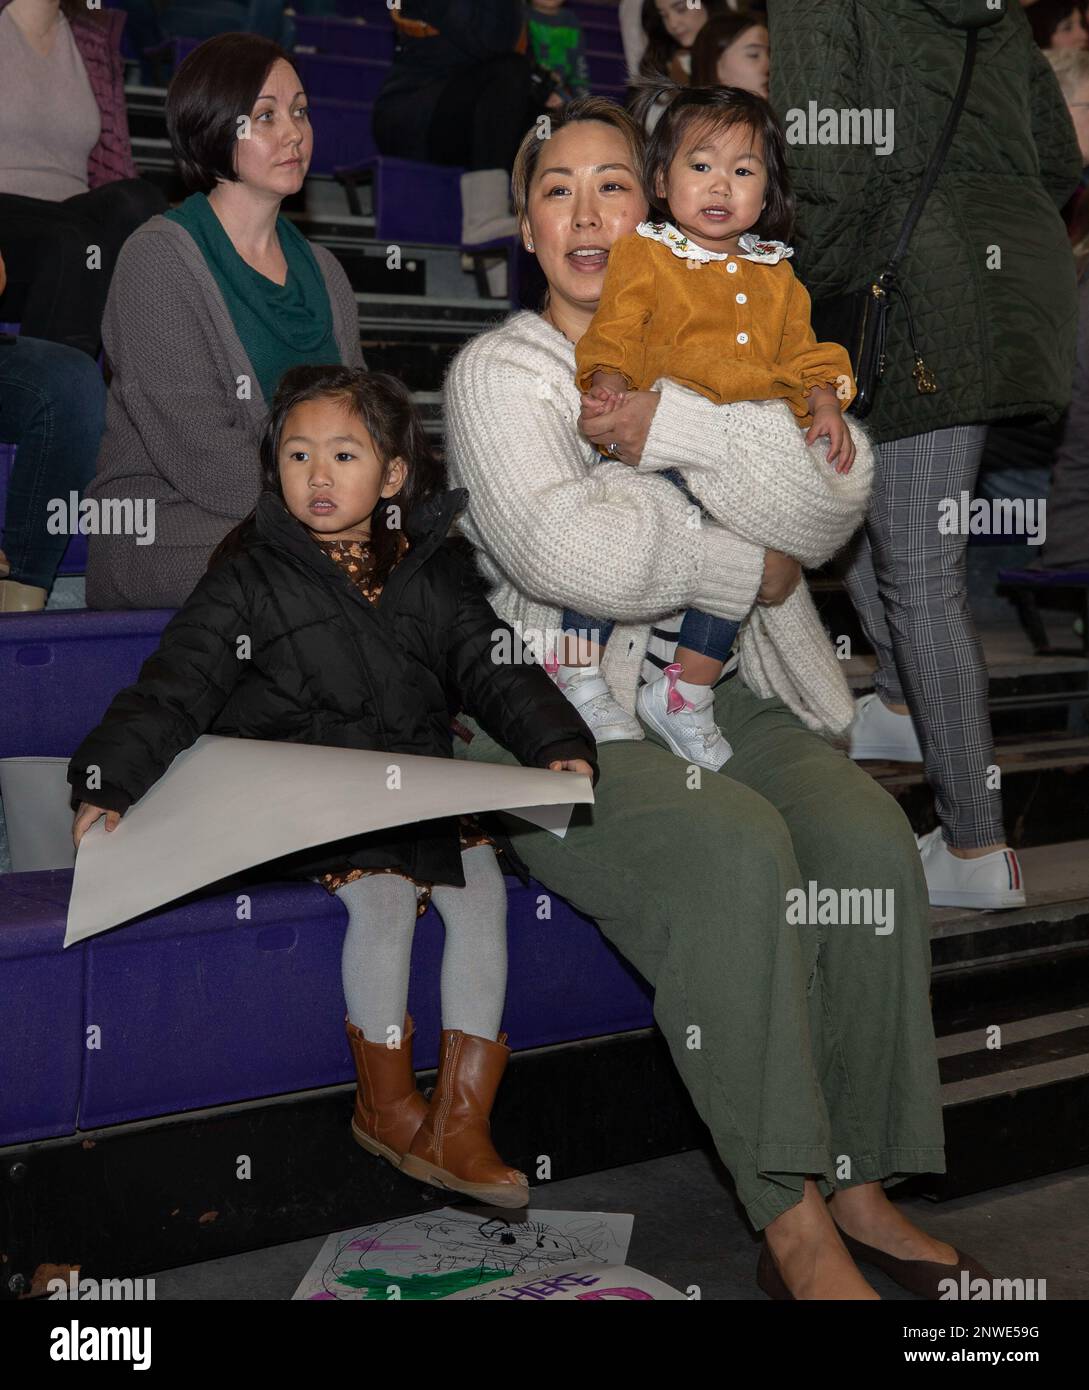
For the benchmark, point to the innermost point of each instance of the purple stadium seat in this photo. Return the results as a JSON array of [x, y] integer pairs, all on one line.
[[351, 38], [60, 670], [341, 79], [413, 202], [41, 1010], [172, 53], [342, 134], [607, 70]]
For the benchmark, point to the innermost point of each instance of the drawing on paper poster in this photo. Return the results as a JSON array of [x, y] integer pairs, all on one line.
[[434, 1254]]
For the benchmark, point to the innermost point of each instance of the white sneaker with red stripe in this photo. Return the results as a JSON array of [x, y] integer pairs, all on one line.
[[989, 881]]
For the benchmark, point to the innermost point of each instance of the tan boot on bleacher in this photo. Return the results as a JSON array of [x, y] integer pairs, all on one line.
[[20, 598]]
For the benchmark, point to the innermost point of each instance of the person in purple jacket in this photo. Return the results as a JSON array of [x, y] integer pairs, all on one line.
[[69, 194]]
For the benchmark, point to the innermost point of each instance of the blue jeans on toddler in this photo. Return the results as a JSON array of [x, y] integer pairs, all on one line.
[[700, 632]]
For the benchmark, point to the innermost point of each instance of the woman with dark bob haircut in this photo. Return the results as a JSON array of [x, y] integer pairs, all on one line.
[[210, 305]]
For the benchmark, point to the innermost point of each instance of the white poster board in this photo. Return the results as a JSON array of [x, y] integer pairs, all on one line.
[[227, 804]]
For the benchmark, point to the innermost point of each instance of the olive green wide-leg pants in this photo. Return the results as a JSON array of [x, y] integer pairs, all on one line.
[[807, 1045]]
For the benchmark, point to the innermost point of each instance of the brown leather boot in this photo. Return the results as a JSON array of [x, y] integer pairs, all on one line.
[[453, 1147], [388, 1107]]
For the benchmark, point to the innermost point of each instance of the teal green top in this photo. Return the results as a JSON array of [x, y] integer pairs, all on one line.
[[279, 326]]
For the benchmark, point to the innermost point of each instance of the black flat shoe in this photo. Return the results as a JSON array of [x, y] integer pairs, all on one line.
[[920, 1277]]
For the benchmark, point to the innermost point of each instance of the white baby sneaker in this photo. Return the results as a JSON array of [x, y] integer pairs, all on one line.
[[691, 733], [607, 720], [878, 733], [990, 881]]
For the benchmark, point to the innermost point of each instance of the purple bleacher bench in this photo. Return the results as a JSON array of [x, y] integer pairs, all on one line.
[[233, 993], [236, 996], [607, 70], [330, 77], [351, 38], [60, 670], [342, 134]]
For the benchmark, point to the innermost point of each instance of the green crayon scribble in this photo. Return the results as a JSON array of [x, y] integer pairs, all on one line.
[[376, 1282]]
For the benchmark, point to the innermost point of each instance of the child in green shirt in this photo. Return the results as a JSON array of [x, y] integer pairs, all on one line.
[[555, 40]]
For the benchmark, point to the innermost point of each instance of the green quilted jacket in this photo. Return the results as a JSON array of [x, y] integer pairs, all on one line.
[[989, 274]]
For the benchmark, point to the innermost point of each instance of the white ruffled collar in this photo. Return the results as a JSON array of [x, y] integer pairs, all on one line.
[[750, 247]]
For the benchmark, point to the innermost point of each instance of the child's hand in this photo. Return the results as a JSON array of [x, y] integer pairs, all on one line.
[[592, 406], [86, 817], [828, 421], [601, 400], [572, 765]]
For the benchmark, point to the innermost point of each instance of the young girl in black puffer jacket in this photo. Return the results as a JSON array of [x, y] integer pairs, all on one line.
[[363, 632]]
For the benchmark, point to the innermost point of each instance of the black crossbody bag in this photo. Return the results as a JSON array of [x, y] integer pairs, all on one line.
[[858, 319]]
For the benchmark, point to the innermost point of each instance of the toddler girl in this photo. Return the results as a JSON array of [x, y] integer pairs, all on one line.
[[362, 632], [708, 300]]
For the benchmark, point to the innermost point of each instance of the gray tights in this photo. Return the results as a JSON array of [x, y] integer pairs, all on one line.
[[377, 951]]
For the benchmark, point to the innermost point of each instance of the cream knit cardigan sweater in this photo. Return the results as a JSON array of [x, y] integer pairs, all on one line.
[[559, 527]]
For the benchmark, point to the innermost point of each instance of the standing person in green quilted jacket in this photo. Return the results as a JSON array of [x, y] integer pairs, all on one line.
[[864, 88]]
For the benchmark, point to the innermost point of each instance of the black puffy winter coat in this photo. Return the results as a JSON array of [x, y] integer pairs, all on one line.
[[327, 666]]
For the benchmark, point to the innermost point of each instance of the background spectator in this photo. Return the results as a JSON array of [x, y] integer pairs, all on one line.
[[1071, 69], [1058, 23], [1055, 458], [555, 40], [732, 51], [999, 342], [671, 27], [459, 93], [67, 178], [52, 403], [632, 34], [209, 306]]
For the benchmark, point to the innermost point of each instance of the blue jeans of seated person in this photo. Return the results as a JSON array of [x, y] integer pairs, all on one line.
[[52, 407], [700, 632]]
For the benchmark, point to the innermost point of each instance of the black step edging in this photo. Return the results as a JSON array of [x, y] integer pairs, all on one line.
[[1033, 931], [1040, 805], [1012, 1137]]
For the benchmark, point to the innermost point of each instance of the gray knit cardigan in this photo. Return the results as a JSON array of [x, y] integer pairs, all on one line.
[[183, 417]]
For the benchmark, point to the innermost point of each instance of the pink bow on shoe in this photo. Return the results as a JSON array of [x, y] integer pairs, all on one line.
[[675, 701], [552, 668]]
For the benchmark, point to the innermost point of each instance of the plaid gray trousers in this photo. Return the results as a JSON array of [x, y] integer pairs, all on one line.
[[908, 584]]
